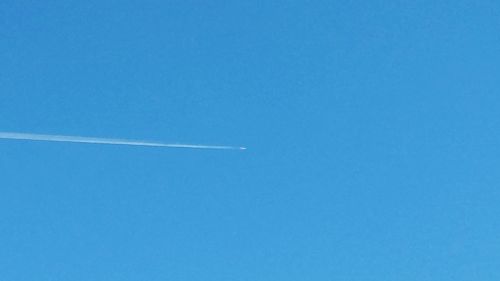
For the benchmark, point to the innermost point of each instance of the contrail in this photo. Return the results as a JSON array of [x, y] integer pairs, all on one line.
[[75, 139]]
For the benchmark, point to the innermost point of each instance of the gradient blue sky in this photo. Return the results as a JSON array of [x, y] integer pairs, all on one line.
[[373, 132]]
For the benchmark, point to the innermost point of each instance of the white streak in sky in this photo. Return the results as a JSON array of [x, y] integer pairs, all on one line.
[[57, 138]]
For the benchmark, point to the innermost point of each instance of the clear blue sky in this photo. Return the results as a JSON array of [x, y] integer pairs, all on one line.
[[372, 126]]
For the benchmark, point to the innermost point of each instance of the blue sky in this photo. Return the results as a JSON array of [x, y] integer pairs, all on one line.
[[372, 131]]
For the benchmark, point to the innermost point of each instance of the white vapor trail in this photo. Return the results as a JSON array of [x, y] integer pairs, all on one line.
[[75, 139]]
